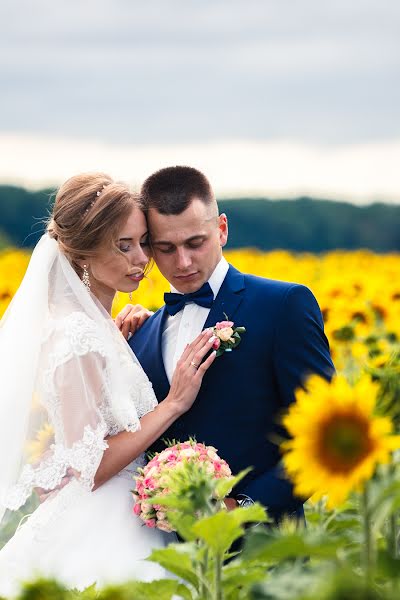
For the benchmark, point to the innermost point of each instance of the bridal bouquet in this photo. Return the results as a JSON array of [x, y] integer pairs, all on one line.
[[154, 479]]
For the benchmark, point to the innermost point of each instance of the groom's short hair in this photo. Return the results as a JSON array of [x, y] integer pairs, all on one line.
[[170, 191]]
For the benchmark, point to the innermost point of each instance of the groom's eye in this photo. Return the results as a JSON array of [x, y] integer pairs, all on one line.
[[196, 243]]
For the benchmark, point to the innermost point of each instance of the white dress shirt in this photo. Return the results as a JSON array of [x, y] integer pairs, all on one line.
[[185, 326]]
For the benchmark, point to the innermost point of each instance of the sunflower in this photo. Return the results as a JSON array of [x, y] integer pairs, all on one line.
[[336, 440], [42, 442]]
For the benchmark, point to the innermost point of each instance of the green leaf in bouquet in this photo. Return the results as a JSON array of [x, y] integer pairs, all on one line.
[[176, 558], [240, 329]]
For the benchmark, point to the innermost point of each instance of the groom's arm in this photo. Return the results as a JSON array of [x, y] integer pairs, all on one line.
[[300, 348]]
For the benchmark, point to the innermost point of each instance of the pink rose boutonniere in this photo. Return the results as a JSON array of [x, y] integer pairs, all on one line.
[[227, 336]]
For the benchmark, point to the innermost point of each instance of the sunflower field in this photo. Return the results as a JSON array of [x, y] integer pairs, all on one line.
[[343, 454]]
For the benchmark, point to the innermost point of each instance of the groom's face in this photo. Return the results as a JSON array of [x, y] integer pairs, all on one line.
[[188, 247]]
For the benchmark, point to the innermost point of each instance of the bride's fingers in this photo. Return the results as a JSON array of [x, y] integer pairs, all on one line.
[[201, 349], [121, 316], [204, 366], [197, 342]]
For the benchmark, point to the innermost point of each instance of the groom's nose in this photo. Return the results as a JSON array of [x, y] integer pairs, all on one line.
[[183, 260]]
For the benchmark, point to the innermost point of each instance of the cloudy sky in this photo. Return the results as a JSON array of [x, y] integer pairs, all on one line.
[[268, 96]]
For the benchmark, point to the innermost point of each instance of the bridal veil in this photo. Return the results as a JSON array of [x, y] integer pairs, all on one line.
[[62, 375]]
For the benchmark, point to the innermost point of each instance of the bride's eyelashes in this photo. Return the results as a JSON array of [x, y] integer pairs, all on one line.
[[126, 247]]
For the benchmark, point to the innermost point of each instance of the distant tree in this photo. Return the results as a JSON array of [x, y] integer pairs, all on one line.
[[300, 225]]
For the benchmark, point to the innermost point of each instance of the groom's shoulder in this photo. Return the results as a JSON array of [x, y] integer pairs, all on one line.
[[276, 290], [270, 286]]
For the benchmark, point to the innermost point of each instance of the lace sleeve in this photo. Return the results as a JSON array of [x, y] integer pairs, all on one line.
[[74, 387]]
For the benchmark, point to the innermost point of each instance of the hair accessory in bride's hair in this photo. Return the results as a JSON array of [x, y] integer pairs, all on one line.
[[93, 201]]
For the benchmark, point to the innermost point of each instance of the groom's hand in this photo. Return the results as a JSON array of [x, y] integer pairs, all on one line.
[[231, 503], [131, 318]]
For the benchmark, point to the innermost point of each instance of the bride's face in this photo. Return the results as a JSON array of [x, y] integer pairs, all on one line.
[[111, 271]]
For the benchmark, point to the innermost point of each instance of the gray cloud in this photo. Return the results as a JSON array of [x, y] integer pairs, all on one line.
[[186, 71]]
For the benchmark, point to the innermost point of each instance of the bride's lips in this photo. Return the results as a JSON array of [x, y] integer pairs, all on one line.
[[136, 277]]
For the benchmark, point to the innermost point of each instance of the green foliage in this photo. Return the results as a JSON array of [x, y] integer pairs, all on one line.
[[43, 589], [303, 224], [350, 553], [13, 519]]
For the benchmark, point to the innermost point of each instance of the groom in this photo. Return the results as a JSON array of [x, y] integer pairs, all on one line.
[[246, 390]]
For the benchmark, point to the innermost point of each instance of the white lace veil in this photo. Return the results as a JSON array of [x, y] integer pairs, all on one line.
[[67, 376]]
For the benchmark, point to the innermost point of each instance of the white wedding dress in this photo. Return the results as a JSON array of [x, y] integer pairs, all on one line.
[[87, 385]]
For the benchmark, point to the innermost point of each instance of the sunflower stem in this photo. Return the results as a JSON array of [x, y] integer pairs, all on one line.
[[367, 551], [392, 537]]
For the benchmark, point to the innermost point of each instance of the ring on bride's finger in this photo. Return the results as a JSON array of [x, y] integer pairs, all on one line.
[[194, 364]]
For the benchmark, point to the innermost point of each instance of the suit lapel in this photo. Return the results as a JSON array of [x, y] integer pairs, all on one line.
[[160, 379], [228, 298]]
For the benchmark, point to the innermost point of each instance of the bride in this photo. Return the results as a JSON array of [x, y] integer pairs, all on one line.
[[66, 368]]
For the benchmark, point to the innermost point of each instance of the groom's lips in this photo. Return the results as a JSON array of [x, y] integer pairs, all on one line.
[[186, 277]]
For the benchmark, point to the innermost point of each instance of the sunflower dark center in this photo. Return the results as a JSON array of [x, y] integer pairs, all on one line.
[[344, 442]]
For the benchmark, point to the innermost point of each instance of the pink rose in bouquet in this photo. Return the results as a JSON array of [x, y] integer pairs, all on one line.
[[153, 478]]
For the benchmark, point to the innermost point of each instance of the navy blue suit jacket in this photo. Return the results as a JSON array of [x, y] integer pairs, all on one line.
[[245, 391]]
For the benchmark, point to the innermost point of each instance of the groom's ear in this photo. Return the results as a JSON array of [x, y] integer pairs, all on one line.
[[223, 229]]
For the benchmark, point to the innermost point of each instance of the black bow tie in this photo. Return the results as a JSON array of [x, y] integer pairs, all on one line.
[[175, 302]]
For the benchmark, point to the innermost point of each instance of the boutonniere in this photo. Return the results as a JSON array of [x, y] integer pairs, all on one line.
[[227, 336]]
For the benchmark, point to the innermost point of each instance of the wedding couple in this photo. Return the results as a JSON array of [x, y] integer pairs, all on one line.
[[65, 363]]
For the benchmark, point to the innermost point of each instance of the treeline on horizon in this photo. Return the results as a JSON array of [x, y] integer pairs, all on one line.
[[299, 225]]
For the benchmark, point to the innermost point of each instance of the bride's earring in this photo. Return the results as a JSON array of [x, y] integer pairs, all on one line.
[[130, 296], [85, 278]]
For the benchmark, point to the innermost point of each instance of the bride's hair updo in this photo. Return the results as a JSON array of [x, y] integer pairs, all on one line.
[[88, 212]]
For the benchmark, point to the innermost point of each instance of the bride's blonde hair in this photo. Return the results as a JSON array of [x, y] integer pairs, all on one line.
[[88, 212]]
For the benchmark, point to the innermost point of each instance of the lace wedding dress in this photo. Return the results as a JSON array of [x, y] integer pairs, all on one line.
[[86, 384]]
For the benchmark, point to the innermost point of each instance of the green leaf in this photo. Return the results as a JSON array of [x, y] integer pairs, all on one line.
[[223, 486], [271, 547], [176, 559], [250, 514], [239, 575], [47, 589], [218, 531], [161, 589], [183, 524]]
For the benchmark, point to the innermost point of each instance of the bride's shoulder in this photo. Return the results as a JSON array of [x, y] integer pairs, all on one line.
[[74, 332]]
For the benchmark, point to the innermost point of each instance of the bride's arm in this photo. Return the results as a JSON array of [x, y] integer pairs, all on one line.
[[124, 447]]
